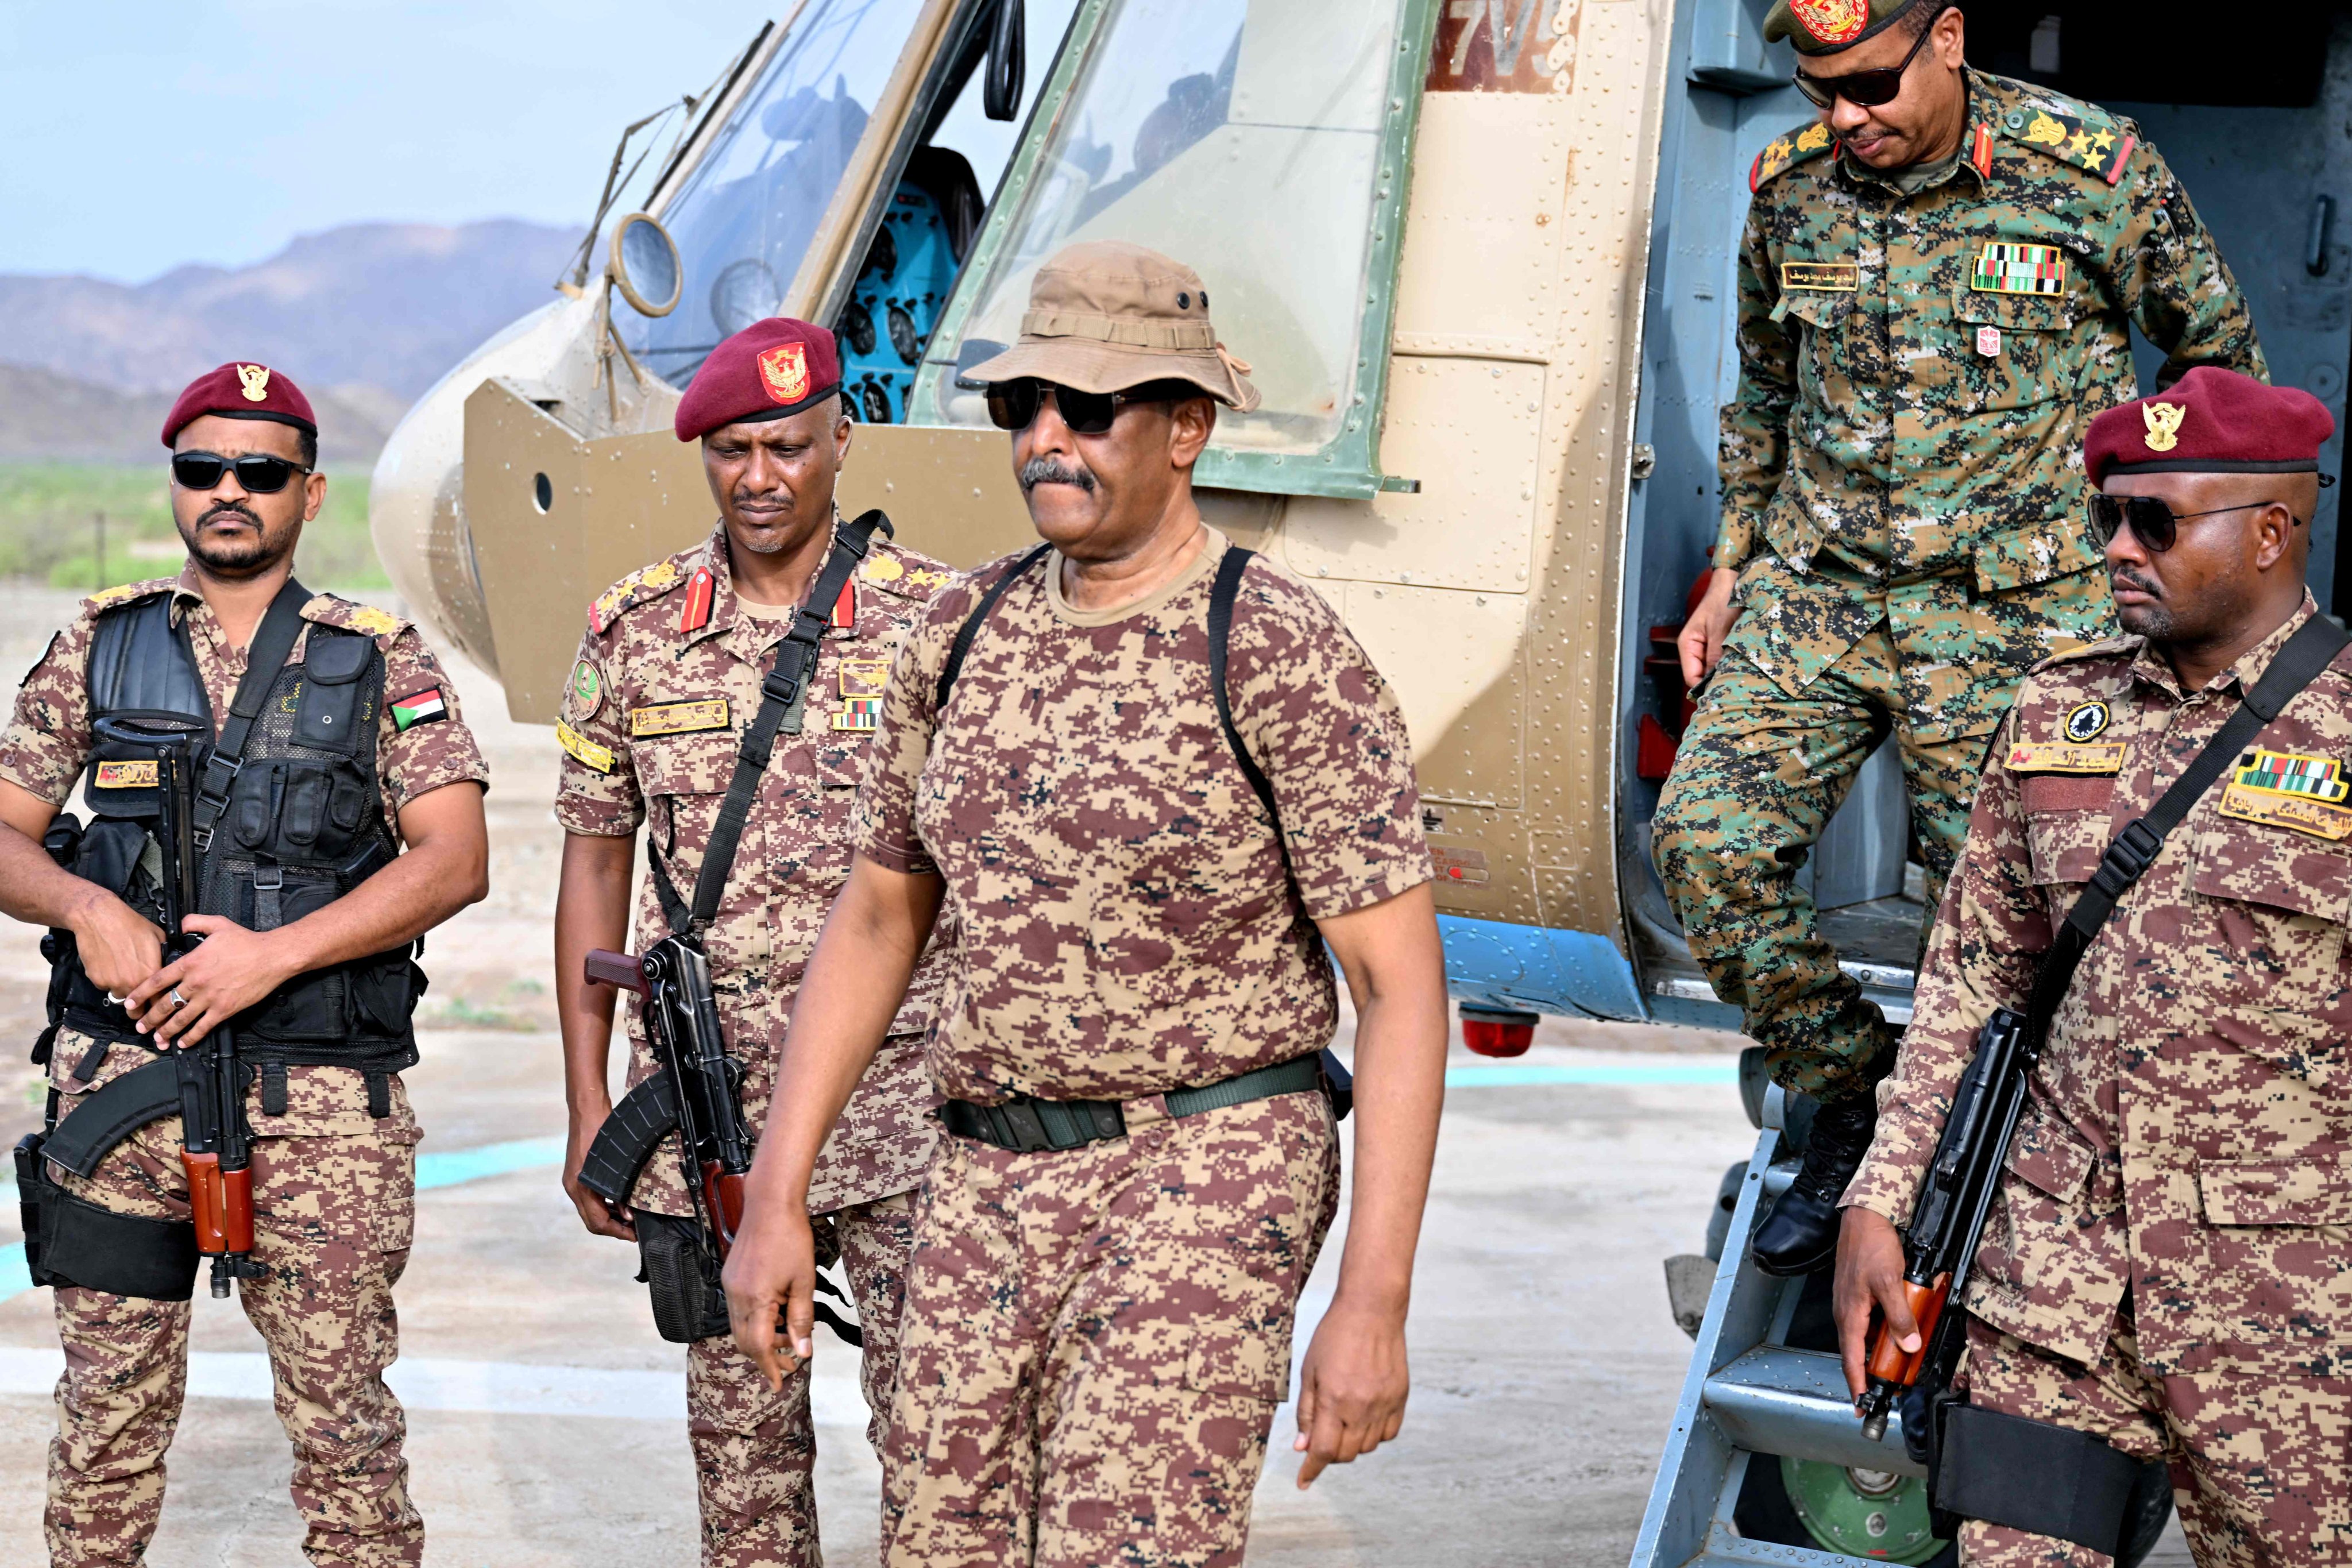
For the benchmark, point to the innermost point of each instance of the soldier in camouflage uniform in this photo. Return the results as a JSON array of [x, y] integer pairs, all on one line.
[[668, 675], [334, 1150], [1110, 1252], [1935, 289], [2165, 1265]]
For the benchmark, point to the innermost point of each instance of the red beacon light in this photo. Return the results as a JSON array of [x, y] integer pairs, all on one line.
[[1493, 1032]]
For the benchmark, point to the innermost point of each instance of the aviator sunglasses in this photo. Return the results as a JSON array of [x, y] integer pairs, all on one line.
[[1013, 404], [1864, 90], [2152, 522], [259, 473]]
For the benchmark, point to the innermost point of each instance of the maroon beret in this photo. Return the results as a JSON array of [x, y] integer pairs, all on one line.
[[768, 370], [2211, 421], [242, 392]]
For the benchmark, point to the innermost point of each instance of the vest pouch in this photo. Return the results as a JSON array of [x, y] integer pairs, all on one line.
[[313, 1007], [303, 817], [384, 993], [326, 705], [253, 805]]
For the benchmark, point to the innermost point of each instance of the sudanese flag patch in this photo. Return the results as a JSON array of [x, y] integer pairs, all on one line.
[[425, 707]]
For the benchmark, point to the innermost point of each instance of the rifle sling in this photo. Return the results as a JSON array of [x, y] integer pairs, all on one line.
[[780, 693], [2295, 666], [273, 644]]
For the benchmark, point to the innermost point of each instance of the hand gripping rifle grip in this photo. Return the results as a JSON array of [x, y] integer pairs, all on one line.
[[1892, 1368], [618, 970]]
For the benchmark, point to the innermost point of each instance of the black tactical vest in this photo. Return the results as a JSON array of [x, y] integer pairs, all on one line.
[[304, 825]]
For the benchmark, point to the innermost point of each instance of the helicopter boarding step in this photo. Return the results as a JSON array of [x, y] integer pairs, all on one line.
[[1751, 1400]]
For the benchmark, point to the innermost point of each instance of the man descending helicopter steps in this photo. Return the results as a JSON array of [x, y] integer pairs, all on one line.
[[257, 755], [1936, 284]]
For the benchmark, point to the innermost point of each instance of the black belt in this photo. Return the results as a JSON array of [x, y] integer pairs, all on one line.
[[1026, 1125]]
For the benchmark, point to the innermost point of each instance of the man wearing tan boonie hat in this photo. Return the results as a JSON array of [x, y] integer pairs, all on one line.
[[1145, 1152]]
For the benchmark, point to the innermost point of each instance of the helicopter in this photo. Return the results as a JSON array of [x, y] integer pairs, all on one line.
[[1480, 255]]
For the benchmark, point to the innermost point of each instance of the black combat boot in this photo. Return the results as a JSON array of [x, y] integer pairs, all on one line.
[[1802, 1233]]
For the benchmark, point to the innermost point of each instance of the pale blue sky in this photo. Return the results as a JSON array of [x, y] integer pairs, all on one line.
[[143, 135]]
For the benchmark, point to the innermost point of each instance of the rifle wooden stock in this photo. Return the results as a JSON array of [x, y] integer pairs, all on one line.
[[618, 970], [220, 1205], [1890, 1364]]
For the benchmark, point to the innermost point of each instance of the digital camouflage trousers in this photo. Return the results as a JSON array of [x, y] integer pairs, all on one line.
[[2262, 1466], [332, 1217], [755, 1449], [1756, 779]]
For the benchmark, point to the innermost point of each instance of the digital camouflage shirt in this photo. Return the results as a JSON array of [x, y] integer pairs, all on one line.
[[668, 675], [1127, 927], [2188, 1136], [1918, 372], [48, 745]]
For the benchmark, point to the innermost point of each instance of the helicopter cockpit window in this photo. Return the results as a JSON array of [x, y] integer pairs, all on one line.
[[927, 230], [1245, 137], [750, 208]]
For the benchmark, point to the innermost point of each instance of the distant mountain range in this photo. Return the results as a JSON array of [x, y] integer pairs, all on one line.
[[365, 318]]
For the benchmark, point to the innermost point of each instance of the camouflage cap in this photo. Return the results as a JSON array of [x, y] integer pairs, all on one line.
[[1825, 27], [1106, 315]]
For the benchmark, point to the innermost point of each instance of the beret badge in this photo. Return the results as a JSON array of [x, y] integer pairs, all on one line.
[[254, 379], [2163, 421], [783, 371], [1831, 21]]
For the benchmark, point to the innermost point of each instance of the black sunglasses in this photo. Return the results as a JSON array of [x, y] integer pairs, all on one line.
[[257, 473], [1013, 404], [1865, 89], [2152, 522]]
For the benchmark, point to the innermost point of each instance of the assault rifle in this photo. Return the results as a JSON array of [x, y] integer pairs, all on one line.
[[697, 1092], [217, 1142], [1947, 1223]]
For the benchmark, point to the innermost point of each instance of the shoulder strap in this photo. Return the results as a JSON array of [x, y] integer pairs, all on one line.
[[273, 642], [1222, 594], [780, 691], [970, 628], [2296, 665]]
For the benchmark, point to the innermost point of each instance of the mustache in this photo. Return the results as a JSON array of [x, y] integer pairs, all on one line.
[[2123, 578], [1052, 471], [229, 509]]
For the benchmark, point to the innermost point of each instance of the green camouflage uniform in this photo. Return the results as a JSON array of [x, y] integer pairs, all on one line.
[[1902, 499]]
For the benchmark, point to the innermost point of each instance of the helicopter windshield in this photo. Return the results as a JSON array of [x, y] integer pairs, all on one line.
[[1241, 136], [749, 209]]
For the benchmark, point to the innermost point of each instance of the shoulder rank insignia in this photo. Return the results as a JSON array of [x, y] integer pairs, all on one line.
[[1980, 148], [845, 608], [585, 751], [2284, 773], [124, 593], [701, 593], [2064, 757], [880, 568], [2088, 144], [679, 718], [2297, 814], [1786, 152], [646, 583], [2005, 269]]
